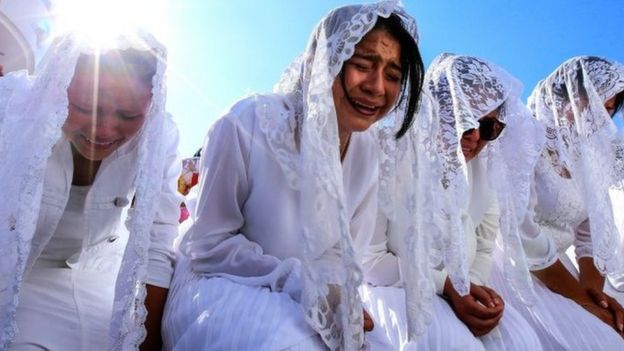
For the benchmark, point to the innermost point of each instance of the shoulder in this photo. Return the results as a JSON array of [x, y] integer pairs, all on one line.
[[245, 114]]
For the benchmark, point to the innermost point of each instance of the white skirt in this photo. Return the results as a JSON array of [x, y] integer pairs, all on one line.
[[560, 323], [219, 314], [446, 332], [64, 309]]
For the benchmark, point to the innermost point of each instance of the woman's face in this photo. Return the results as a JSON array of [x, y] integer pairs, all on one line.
[[471, 141], [370, 82], [105, 110]]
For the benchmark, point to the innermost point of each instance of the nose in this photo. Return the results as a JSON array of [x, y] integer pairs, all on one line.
[[105, 126], [472, 135], [374, 83]]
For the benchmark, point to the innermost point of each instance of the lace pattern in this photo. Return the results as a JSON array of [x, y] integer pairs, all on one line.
[[31, 126], [465, 89], [580, 142], [511, 161], [408, 196], [560, 204], [306, 148]]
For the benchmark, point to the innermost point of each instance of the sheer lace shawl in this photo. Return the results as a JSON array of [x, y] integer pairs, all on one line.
[[333, 308], [581, 141], [408, 198], [465, 89], [31, 124]]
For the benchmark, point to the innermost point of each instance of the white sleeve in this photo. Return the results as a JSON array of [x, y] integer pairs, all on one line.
[[539, 247], [215, 244], [582, 240], [486, 233], [165, 226], [381, 265]]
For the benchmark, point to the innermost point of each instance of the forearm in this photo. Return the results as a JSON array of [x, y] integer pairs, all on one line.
[[155, 304], [558, 279], [589, 275]]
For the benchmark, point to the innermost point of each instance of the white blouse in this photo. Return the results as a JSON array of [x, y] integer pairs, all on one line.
[[247, 220], [481, 223], [557, 218], [70, 232]]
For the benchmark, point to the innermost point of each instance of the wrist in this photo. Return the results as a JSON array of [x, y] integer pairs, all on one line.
[[589, 276], [448, 291]]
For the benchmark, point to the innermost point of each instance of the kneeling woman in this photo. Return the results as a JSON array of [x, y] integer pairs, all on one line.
[[288, 186], [85, 142], [472, 101], [570, 205]]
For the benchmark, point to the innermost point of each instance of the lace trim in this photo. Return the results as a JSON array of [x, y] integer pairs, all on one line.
[[511, 161], [330, 298], [580, 135], [36, 115]]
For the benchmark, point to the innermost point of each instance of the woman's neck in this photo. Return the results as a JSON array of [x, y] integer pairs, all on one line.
[[345, 138], [85, 170]]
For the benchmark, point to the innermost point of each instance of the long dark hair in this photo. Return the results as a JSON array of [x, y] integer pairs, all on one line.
[[413, 69]]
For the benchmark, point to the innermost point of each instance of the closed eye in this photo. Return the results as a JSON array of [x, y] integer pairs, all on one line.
[[129, 116], [81, 109]]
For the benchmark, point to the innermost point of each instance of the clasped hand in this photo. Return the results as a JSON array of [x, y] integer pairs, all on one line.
[[480, 310]]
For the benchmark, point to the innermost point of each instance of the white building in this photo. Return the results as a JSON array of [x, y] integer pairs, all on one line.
[[24, 28]]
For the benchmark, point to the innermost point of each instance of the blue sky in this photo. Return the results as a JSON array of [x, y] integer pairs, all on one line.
[[222, 50]]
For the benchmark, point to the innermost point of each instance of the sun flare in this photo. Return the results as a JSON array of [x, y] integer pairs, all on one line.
[[101, 21]]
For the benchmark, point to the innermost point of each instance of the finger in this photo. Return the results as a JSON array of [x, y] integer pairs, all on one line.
[[482, 296], [481, 326], [601, 314], [598, 297], [618, 314], [498, 300], [477, 309], [368, 322]]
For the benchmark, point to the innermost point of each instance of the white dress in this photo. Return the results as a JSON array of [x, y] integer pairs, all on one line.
[[66, 300], [558, 222], [385, 299], [238, 286]]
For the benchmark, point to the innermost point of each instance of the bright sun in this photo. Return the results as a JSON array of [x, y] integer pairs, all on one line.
[[103, 20]]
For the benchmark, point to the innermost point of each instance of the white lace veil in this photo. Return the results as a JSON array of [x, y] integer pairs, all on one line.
[[30, 125], [330, 294], [581, 140], [409, 187], [465, 89]]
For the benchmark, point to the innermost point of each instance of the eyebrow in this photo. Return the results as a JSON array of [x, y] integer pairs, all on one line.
[[376, 58]]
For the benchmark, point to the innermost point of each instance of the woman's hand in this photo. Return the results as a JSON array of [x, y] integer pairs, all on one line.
[[593, 283], [480, 310], [368, 322], [612, 305]]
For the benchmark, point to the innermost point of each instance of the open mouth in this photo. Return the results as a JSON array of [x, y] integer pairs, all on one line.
[[365, 108], [99, 144]]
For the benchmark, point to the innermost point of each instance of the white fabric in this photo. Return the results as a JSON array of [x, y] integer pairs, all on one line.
[[30, 138], [408, 184], [246, 231], [446, 332], [556, 220], [560, 323], [315, 170], [91, 272], [465, 89], [386, 302], [298, 130], [64, 309], [581, 145], [67, 239]]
